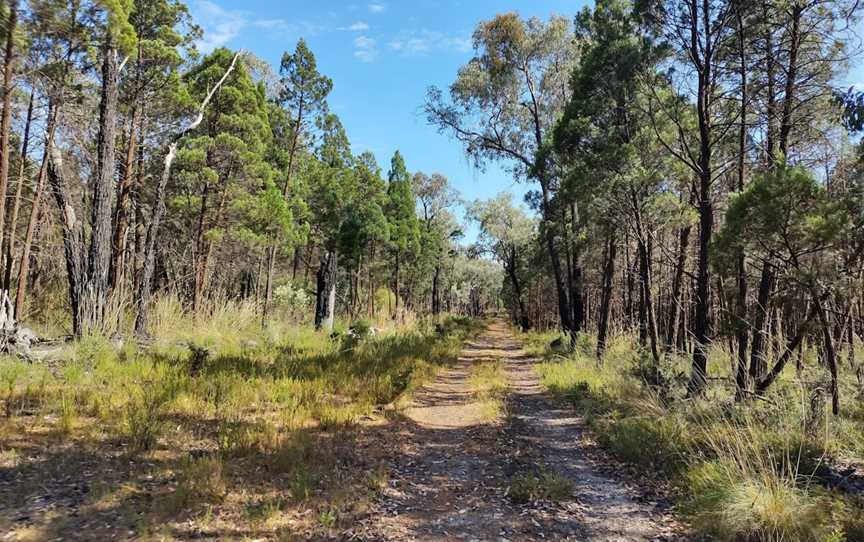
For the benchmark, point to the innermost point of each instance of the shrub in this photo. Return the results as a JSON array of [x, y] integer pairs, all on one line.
[[199, 481], [730, 504], [544, 485]]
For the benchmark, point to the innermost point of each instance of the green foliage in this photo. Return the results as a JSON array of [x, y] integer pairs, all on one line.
[[118, 23], [400, 208], [744, 471], [784, 215], [544, 485]]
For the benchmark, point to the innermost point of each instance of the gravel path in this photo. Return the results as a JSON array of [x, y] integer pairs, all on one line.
[[451, 472]]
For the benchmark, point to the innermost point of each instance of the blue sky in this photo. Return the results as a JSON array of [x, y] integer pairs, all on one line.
[[381, 56]]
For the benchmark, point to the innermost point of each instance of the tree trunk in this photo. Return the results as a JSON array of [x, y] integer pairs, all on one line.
[[606, 300], [16, 205], [396, 287], [436, 303], [522, 316], [73, 234], [758, 362], [124, 198], [6, 120], [325, 291], [676, 307], [32, 223], [95, 290], [830, 350], [647, 301]]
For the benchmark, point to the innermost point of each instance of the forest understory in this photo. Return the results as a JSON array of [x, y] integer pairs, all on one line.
[[220, 318]]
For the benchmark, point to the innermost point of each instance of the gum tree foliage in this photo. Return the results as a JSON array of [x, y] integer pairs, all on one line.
[[502, 107], [506, 233]]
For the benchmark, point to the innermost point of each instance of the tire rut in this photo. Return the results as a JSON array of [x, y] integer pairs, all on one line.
[[450, 471]]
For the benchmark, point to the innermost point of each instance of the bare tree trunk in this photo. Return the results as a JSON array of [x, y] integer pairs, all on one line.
[[146, 282], [124, 197], [16, 205], [95, 290], [676, 307], [73, 234], [742, 332], [830, 350], [648, 300], [522, 316], [32, 223], [606, 301], [325, 292], [6, 120]]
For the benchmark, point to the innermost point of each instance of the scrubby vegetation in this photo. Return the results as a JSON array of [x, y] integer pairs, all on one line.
[[227, 431], [753, 470]]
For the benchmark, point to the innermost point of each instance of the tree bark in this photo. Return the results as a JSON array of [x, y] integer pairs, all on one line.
[[73, 234], [6, 120], [606, 300], [124, 197], [95, 290], [16, 205]]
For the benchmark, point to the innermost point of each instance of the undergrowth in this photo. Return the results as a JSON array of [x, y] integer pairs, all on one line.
[[741, 470], [214, 400]]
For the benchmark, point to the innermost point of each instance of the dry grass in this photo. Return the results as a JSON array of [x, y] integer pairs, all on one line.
[[746, 471], [237, 436], [489, 385]]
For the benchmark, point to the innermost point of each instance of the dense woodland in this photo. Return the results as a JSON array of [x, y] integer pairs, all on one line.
[[205, 176], [698, 178], [696, 201]]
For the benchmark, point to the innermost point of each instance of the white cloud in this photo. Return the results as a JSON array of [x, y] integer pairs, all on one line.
[[223, 25], [220, 25], [365, 49], [376, 7], [359, 26], [418, 43]]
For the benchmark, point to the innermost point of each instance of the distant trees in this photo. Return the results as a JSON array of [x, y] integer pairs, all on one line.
[[207, 176], [506, 233], [695, 177], [503, 106]]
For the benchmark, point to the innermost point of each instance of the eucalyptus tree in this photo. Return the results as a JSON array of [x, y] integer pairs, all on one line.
[[435, 198], [506, 233], [502, 107]]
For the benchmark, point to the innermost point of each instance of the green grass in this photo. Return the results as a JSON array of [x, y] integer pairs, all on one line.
[[742, 471], [236, 418], [526, 487], [489, 385]]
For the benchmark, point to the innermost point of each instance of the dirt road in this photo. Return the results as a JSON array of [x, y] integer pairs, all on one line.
[[453, 470]]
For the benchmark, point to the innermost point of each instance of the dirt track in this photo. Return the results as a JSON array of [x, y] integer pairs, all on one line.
[[451, 472]]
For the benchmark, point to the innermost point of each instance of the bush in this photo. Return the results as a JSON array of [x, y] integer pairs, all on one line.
[[729, 504], [199, 481], [544, 485]]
